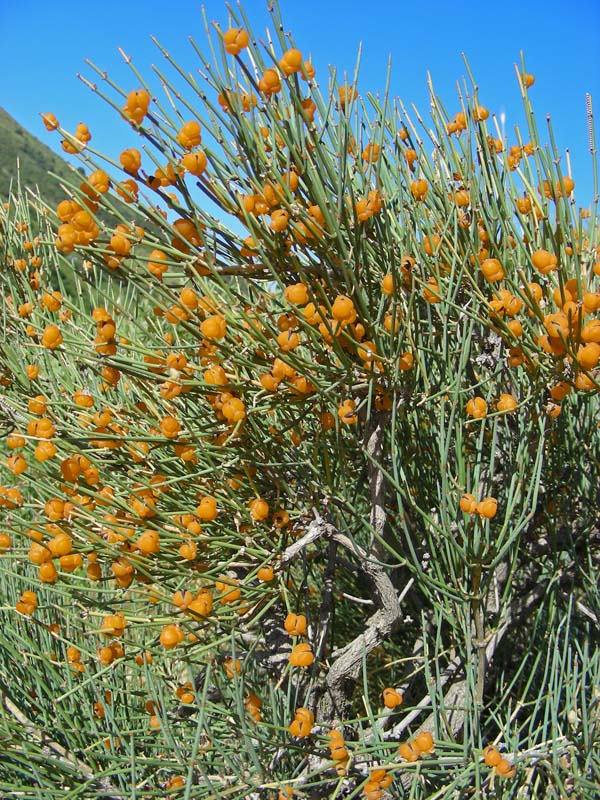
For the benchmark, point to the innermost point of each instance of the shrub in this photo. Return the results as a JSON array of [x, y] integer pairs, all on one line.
[[323, 425]]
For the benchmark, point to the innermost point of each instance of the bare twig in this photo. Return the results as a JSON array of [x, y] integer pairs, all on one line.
[[374, 452], [326, 610], [379, 626], [317, 528]]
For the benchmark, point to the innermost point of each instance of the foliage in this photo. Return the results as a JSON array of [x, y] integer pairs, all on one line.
[[301, 479]]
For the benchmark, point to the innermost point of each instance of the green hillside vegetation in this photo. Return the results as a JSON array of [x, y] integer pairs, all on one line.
[[36, 167], [31, 170], [35, 162]]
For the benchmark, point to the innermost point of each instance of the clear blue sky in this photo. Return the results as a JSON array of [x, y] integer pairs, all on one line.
[[44, 45]]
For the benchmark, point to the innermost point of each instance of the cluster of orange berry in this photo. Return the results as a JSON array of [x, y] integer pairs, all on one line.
[[235, 40], [392, 698], [379, 781], [73, 144], [27, 603], [477, 407], [59, 546], [421, 744], [171, 636], [232, 667], [302, 654], [253, 705], [136, 106], [337, 749], [486, 508], [194, 606], [302, 724], [501, 765]]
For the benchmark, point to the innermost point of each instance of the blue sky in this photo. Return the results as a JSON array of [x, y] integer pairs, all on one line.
[[44, 45]]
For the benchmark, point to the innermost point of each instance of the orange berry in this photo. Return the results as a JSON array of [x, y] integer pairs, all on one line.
[[51, 337], [295, 624], [487, 508], [207, 510], [138, 99], [171, 636], [346, 412], [235, 40], [515, 328], [113, 625], [480, 114], [431, 291], [27, 604], [264, 574], [506, 403], [270, 83], [343, 309], [491, 755], [131, 160], [148, 542], [279, 220], [505, 769], [423, 742], [16, 463], [408, 751], [213, 327], [338, 750], [476, 408], [128, 190], [15, 441], [60, 545], [44, 451], [188, 550], [70, 562], [291, 61], [418, 189], [228, 587], [50, 121], [302, 723], [170, 427], [259, 509], [232, 667], [195, 163], [387, 284], [347, 94], [392, 698], [296, 293], [588, 355], [406, 361], [371, 153], [544, 261], [492, 270], [301, 655], [189, 135], [47, 572], [281, 518], [468, 504], [565, 186], [82, 132]]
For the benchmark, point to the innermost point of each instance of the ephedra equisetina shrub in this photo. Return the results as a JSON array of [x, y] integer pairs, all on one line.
[[300, 459]]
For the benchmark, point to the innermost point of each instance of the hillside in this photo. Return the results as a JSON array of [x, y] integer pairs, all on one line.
[[35, 160]]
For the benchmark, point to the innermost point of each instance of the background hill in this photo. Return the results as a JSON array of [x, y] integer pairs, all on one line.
[[35, 159]]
